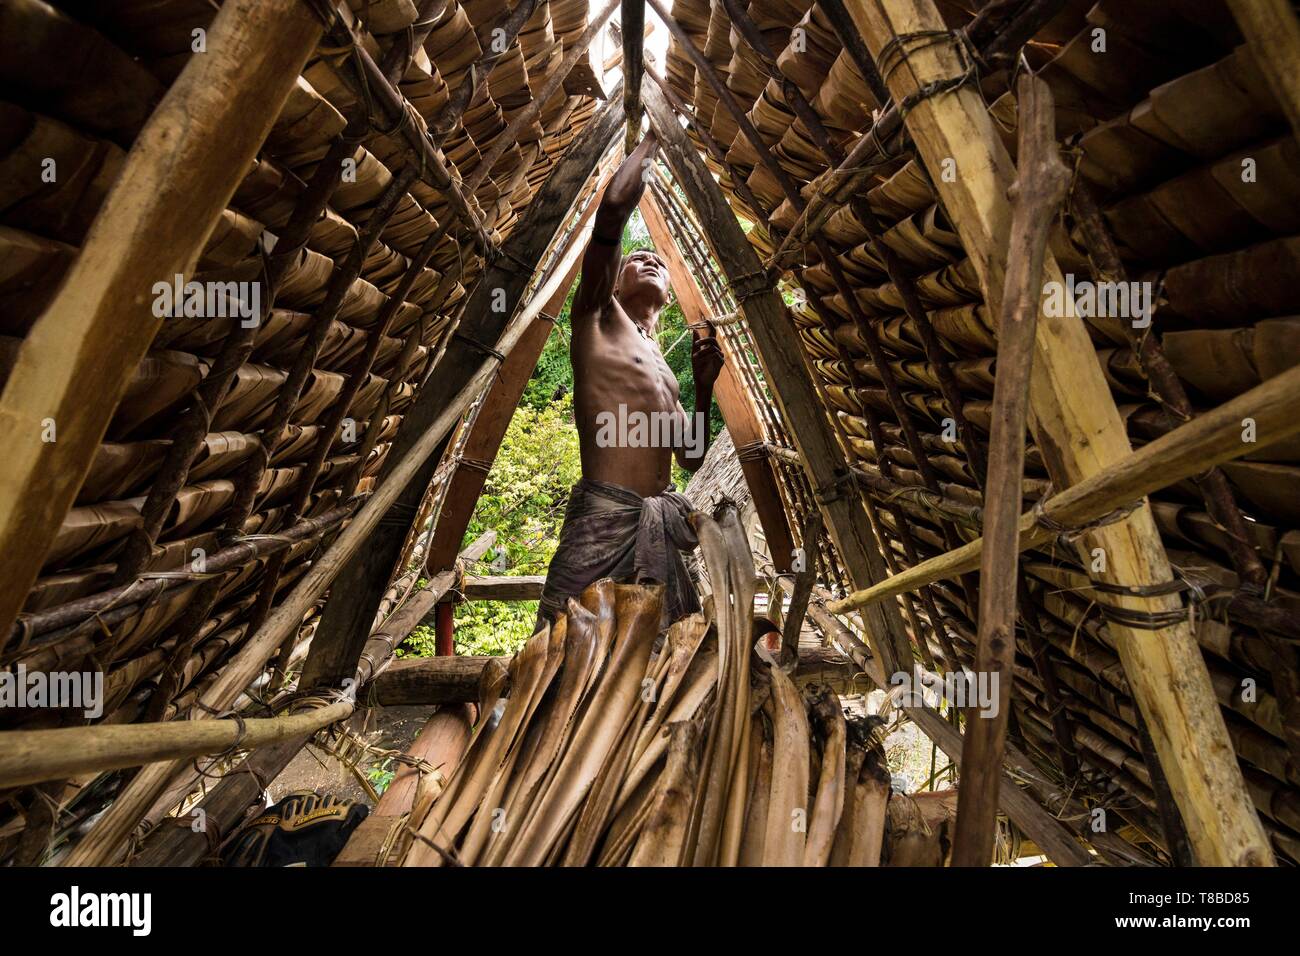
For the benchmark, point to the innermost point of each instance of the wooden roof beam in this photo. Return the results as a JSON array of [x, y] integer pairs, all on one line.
[[633, 30], [1041, 183]]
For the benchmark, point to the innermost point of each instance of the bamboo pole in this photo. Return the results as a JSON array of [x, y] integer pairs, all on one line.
[[31, 756], [92, 336], [493, 418], [1040, 185], [902, 412], [632, 25]]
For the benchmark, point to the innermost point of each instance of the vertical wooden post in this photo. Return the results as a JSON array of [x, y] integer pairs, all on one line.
[[445, 630], [1036, 197], [76, 362], [1079, 430]]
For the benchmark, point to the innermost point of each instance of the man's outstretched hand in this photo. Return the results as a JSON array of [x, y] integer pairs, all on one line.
[[706, 361]]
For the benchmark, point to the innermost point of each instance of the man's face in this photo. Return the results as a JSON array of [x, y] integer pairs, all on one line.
[[643, 272]]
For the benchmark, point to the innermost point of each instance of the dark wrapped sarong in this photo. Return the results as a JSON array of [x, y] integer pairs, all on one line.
[[612, 532]]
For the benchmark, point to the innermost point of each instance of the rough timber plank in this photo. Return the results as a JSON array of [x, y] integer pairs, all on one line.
[[1080, 432], [75, 364]]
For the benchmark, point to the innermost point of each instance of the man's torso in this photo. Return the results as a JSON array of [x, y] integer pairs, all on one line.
[[621, 379]]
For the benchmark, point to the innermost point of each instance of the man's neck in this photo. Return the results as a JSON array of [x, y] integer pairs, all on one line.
[[642, 312]]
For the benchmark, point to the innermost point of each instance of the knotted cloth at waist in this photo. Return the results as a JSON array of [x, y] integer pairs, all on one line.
[[612, 532]]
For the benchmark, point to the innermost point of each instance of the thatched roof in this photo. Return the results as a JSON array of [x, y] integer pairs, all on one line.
[[159, 567]]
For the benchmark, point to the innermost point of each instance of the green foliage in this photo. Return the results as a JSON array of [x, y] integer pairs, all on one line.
[[523, 500], [422, 642], [381, 775]]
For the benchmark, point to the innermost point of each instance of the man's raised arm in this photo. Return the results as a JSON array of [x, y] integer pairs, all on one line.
[[604, 252]]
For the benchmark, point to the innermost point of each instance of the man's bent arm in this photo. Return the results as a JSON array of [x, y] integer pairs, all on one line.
[[604, 252], [706, 364]]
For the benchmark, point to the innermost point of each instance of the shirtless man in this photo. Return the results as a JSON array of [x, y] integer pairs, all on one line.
[[624, 519]]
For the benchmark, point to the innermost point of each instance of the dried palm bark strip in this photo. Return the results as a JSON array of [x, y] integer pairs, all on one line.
[[787, 814], [510, 136], [1077, 422], [1220, 501], [663, 836], [637, 623], [995, 31], [55, 624]]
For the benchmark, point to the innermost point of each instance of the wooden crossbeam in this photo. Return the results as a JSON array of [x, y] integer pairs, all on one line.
[[517, 587]]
